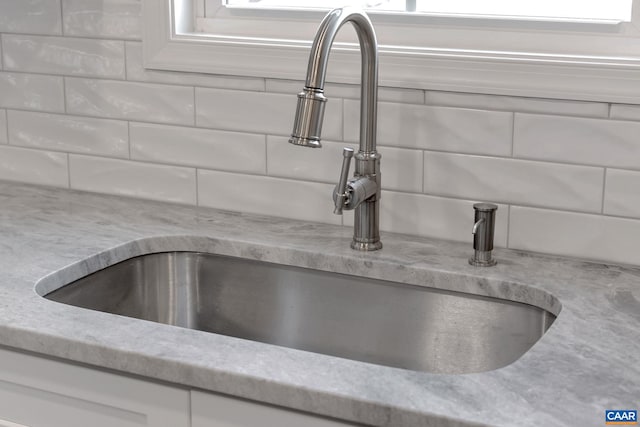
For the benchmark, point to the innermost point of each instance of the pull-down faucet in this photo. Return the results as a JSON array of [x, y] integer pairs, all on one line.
[[362, 192]]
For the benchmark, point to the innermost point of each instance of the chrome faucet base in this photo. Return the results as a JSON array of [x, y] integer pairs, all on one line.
[[366, 246], [477, 263], [482, 259], [366, 229]]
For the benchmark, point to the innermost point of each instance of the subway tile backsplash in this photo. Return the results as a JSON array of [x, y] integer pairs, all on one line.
[[34, 166], [574, 234], [515, 181], [119, 19], [285, 160], [78, 110], [31, 92], [439, 217], [266, 195], [625, 112], [621, 193], [66, 133], [30, 17], [64, 55], [595, 142], [134, 179], [203, 148], [130, 100], [436, 128]]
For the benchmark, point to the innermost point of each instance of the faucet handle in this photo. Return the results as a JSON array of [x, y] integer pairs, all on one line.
[[340, 193]]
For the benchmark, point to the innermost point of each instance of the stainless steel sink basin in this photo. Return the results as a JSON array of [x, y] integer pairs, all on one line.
[[369, 320]]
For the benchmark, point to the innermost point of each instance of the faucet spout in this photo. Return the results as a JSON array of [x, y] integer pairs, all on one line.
[[311, 100], [362, 192]]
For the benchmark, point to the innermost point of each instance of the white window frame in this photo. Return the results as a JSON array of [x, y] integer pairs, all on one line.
[[558, 60]]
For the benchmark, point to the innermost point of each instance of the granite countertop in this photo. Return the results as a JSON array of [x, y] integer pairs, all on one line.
[[587, 362]]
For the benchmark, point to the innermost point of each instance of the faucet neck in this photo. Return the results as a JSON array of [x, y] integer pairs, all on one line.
[[319, 57]]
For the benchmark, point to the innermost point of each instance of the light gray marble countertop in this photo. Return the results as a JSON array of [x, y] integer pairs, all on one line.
[[587, 362]]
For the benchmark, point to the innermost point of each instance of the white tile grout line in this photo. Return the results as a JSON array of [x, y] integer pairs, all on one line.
[[508, 224], [129, 138], [197, 187], [513, 133], [604, 189], [266, 155], [68, 170], [424, 160], [6, 121], [62, 18], [64, 94], [126, 71], [195, 103]]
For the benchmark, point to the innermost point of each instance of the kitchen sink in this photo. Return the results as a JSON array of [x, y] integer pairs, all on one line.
[[376, 321]]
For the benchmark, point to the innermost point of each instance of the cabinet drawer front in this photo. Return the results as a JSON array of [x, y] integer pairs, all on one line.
[[39, 392], [214, 410]]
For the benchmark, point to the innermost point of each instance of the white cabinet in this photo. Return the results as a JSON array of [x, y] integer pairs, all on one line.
[[214, 410], [40, 392]]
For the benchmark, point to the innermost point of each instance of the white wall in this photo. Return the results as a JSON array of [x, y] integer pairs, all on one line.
[[77, 110]]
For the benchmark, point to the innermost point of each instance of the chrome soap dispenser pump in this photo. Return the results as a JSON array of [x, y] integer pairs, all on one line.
[[483, 230]]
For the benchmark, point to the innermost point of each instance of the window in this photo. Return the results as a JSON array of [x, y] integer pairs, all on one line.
[[561, 10], [580, 57]]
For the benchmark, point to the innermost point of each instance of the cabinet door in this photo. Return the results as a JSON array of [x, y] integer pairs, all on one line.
[[214, 410], [40, 392]]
